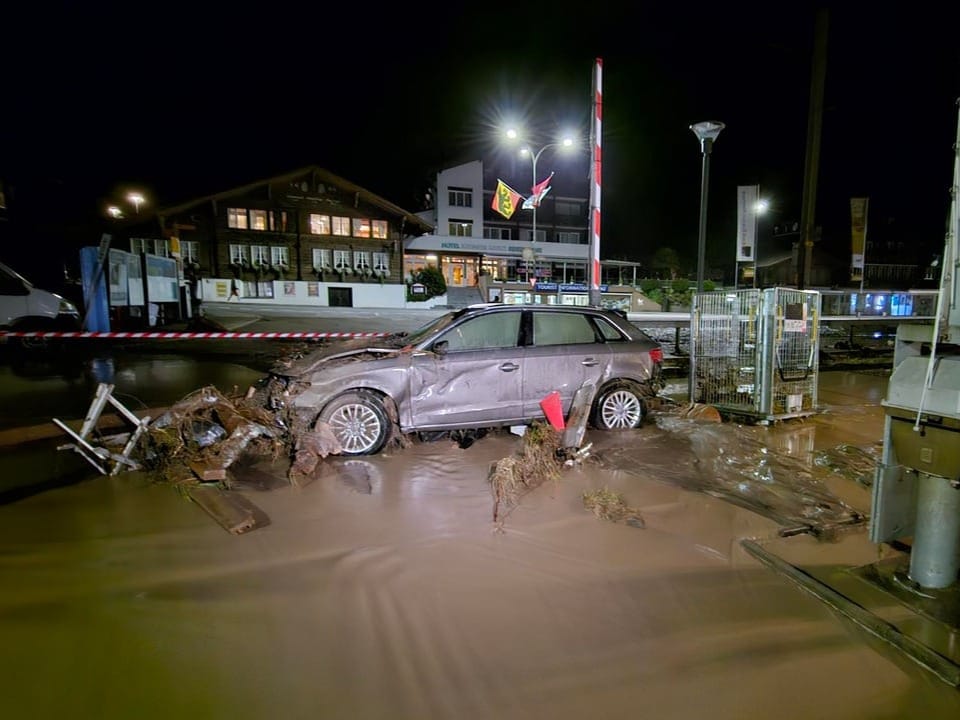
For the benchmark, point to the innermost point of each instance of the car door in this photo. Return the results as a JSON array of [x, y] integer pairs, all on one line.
[[472, 376], [563, 351]]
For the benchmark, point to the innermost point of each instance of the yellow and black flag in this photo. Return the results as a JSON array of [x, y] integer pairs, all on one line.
[[505, 199]]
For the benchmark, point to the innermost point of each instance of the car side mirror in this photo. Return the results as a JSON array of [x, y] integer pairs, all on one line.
[[440, 347]]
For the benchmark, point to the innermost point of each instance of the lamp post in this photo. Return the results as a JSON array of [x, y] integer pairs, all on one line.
[[759, 208], [706, 131], [535, 157]]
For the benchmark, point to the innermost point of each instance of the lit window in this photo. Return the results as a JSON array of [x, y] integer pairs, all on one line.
[[341, 226], [361, 228], [258, 219], [319, 224], [460, 228], [237, 218], [380, 229], [460, 197], [139, 245]]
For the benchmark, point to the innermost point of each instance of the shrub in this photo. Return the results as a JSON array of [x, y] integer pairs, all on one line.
[[432, 280]]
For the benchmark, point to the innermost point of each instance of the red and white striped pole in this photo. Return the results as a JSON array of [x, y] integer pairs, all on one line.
[[595, 185]]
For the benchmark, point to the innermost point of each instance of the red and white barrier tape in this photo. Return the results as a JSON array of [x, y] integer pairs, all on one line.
[[191, 335]]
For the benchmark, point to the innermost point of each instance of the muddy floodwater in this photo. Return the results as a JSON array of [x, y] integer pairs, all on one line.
[[383, 589]]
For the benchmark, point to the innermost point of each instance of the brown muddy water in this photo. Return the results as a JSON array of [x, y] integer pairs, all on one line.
[[383, 589]]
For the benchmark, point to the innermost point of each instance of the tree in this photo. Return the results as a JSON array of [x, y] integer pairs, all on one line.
[[666, 260]]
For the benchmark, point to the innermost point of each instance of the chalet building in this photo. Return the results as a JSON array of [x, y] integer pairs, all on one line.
[[307, 236]]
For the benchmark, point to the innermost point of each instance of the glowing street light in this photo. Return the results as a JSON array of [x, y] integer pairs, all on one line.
[[707, 132], [114, 212], [137, 199]]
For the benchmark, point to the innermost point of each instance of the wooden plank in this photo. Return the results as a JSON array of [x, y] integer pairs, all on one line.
[[234, 512], [46, 431]]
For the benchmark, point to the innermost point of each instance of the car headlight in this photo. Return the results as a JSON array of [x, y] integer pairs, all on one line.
[[67, 308]]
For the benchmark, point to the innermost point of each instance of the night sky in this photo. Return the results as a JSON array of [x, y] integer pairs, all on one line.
[[185, 100]]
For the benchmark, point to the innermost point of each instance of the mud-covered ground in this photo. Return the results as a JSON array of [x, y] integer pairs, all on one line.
[[383, 589]]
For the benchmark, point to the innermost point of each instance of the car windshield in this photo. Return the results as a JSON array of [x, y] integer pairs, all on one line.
[[432, 327]]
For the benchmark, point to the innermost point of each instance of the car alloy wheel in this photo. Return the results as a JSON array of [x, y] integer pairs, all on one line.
[[358, 421], [619, 408]]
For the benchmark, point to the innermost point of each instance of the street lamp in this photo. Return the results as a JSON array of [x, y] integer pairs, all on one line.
[[534, 157], [114, 212], [137, 200], [759, 208], [706, 131]]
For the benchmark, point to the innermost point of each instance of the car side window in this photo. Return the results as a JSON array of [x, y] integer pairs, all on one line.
[[562, 329], [609, 332], [496, 330]]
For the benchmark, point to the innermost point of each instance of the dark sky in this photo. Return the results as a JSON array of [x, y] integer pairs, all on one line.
[[183, 100]]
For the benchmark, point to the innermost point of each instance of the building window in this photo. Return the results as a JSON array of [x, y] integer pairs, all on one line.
[[189, 249], [161, 247], [565, 207], [460, 228], [341, 260], [280, 257], [278, 221], [495, 233], [322, 261], [573, 238], [237, 218], [380, 229], [361, 261], [361, 228], [260, 255], [381, 263], [319, 224], [527, 234], [341, 226], [460, 197], [258, 219], [139, 245], [239, 255]]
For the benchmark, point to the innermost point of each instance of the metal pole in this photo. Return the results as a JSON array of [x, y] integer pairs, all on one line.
[[756, 238], [706, 144], [533, 240]]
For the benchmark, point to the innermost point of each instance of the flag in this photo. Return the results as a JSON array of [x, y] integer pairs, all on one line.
[[858, 232], [539, 191], [534, 201], [505, 199]]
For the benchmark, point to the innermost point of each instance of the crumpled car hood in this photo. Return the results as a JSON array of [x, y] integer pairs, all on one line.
[[336, 349]]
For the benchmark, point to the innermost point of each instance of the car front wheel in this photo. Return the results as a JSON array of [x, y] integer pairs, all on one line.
[[620, 407], [359, 422]]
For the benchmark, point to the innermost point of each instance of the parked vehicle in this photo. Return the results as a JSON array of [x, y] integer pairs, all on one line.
[[483, 366], [24, 307]]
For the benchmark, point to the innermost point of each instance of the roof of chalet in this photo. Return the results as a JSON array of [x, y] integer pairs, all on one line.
[[324, 175]]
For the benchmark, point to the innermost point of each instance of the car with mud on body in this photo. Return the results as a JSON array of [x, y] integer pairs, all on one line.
[[483, 366]]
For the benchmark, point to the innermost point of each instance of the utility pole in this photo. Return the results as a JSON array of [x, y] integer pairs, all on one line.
[[812, 164]]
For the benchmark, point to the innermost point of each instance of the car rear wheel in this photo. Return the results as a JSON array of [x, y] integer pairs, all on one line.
[[620, 407], [359, 422]]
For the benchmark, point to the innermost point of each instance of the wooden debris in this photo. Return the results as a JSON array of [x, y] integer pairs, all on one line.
[[234, 512]]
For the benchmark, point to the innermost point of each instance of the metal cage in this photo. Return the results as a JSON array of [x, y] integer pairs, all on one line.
[[755, 353]]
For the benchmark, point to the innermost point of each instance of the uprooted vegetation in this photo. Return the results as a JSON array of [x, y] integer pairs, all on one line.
[[513, 477], [609, 505]]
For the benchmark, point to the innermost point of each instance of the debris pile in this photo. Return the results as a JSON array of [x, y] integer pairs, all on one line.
[[538, 461], [608, 505]]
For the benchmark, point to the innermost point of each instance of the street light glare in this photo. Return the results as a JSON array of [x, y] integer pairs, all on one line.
[[512, 134], [761, 206]]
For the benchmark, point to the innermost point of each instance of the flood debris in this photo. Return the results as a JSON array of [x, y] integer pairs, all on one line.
[[513, 477], [609, 505]]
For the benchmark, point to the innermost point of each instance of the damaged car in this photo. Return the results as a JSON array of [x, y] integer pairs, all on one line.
[[483, 366]]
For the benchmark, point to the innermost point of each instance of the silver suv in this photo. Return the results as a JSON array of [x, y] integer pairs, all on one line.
[[478, 367]]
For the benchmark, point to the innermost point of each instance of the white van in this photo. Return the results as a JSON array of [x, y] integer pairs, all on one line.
[[28, 308]]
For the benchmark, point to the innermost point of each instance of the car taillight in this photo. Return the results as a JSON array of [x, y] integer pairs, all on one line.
[[656, 355]]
